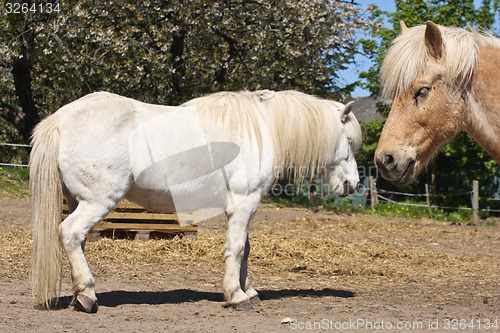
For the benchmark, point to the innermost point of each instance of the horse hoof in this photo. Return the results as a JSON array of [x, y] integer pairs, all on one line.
[[244, 306], [255, 300], [85, 304]]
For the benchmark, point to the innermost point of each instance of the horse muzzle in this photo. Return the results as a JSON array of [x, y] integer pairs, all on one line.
[[345, 188], [398, 168]]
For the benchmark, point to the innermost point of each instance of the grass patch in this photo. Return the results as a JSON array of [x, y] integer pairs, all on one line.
[[14, 183], [401, 210], [406, 210]]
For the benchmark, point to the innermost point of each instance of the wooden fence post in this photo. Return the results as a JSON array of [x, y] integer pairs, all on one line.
[[475, 202], [373, 193], [427, 195]]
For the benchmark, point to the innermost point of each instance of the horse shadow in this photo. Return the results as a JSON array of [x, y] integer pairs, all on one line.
[[121, 297]]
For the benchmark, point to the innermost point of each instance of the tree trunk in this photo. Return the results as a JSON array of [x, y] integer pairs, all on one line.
[[178, 64], [27, 117]]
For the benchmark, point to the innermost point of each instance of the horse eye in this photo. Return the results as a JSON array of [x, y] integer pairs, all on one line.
[[422, 92]]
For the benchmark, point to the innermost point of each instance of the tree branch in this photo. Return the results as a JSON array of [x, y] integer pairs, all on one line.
[[221, 73], [235, 51]]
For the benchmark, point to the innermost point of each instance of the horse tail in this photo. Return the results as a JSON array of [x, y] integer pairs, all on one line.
[[46, 193]]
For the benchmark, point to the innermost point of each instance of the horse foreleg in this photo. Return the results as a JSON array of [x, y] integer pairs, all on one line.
[[246, 286], [236, 285], [74, 230]]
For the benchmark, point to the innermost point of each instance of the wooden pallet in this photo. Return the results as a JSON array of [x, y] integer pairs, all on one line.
[[129, 219]]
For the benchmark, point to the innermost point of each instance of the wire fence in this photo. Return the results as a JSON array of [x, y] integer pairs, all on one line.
[[380, 193], [424, 195], [3, 144], [382, 198]]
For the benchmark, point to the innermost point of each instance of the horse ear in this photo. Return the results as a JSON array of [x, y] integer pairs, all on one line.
[[403, 25], [346, 111], [433, 40], [265, 94]]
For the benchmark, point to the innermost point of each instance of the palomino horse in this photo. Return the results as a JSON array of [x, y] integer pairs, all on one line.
[[440, 80], [222, 151]]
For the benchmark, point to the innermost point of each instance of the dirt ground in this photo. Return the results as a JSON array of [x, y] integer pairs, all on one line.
[[314, 270]]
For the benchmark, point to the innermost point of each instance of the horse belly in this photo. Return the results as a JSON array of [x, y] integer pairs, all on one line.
[[207, 196], [153, 200]]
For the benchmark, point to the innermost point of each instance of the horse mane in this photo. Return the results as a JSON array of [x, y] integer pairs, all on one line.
[[304, 129], [407, 57]]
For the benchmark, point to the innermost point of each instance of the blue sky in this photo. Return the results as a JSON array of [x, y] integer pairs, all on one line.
[[362, 63]]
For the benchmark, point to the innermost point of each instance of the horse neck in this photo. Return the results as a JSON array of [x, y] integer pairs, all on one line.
[[482, 120]]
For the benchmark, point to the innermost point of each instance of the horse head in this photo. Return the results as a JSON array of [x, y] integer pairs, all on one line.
[[427, 105], [342, 170]]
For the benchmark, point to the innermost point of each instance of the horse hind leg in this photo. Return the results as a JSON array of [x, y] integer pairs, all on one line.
[[74, 230]]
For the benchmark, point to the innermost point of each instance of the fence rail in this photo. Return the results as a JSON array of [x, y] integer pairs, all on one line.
[[375, 197], [4, 144], [375, 194], [14, 165], [15, 145], [424, 195]]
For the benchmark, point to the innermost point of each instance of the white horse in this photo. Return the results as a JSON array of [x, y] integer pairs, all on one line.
[[222, 152]]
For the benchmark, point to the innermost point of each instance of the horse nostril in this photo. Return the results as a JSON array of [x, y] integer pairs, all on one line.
[[389, 160]]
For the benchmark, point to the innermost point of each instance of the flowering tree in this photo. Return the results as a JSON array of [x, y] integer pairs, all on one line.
[[168, 52]]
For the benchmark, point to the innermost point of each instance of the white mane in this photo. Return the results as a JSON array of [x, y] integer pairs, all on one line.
[[407, 58], [304, 129]]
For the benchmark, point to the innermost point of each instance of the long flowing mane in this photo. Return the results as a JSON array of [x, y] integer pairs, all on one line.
[[304, 129], [408, 57]]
